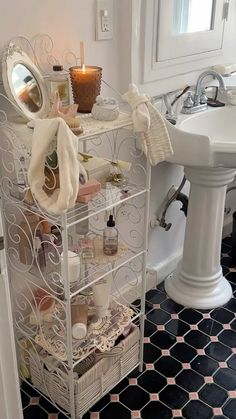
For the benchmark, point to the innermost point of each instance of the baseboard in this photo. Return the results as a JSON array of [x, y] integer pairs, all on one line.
[[155, 275]]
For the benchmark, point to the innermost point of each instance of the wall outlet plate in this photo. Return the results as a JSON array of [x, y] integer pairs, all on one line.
[[104, 19]]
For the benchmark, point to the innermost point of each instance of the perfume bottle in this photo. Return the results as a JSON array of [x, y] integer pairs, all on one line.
[[110, 238], [58, 82]]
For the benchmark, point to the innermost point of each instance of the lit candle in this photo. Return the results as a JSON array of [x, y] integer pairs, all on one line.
[[86, 86]]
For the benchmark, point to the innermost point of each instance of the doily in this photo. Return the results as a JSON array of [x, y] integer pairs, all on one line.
[[101, 335]]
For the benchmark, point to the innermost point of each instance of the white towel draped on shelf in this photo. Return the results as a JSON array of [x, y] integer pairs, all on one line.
[[45, 131], [149, 123]]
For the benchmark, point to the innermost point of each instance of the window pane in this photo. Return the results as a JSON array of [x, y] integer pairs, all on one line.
[[193, 15]]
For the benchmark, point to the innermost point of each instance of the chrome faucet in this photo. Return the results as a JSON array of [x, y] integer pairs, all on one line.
[[170, 102], [198, 101]]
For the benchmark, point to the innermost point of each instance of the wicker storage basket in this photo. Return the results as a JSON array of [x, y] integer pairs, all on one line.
[[93, 384]]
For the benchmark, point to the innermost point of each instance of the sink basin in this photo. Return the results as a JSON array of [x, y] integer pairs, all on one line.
[[205, 144], [206, 139]]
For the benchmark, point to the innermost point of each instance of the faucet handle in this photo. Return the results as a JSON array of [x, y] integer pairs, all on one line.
[[188, 102], [203, 97]]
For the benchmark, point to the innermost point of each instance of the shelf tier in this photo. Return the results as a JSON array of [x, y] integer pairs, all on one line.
[[93, 128], [107, 199], [101, 336]]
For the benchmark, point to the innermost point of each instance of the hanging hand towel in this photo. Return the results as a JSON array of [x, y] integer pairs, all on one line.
[[149, 122], [45, 131]]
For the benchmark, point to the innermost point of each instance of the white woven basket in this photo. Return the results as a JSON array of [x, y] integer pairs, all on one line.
[[92, 385]]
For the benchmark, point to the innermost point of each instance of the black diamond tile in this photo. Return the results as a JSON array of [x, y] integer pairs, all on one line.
[[190, 316], [222, 315], [151, 353], [25, 399], [101, 404], [171, 307], [218, 351], [134, 397], [197, 339], [149, 328], [115, 411], [35, 412], [213, 395], [233, 325], [220, 417], [156, 410], [204, 365], [168, 366], [232, 362], [47, 406], [229, 409], [137, 304], [226, 378], [183, 352], [196, 409], [152, 381], [228, 262], [163, 340], [227, 240], [177, 327], [210, 327], [233, 286], [155, 296], [158, 316], [225, 248], [231, 277], [189, 380], [120, 387], [161, 287], [61, 416], [231, 305], [29, 390], [228, 337], [225, 270], [135, 373], [173, 396]]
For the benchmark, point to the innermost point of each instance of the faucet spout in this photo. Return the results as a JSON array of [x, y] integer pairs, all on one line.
[[200, 79]]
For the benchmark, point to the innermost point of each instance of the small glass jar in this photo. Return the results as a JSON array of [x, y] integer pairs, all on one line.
[[58, 82]]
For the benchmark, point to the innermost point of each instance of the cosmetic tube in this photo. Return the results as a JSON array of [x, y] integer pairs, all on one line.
[[101, 294]]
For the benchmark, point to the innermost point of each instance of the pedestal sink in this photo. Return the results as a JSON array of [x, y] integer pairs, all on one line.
[[205, 144]]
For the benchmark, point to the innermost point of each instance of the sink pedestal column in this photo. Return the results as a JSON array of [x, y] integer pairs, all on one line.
[[198, 281]]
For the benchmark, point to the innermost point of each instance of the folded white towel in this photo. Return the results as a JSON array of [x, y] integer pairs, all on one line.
[[44, 134], [149, 122]]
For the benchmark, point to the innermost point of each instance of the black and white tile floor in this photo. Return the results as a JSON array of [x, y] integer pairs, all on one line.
[[189, 365]]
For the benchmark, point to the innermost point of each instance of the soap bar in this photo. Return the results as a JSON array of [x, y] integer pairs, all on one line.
[[89, 187], [225, 69], [84, 199]]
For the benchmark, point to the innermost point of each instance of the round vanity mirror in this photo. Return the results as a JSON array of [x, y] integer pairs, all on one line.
[[26, 88], [24, 84]]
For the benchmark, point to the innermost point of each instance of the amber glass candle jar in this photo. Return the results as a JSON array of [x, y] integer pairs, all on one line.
[[86, 86]]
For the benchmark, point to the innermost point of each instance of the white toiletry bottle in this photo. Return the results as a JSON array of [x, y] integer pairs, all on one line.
[[79, 317], [58, 82], [110, 238]]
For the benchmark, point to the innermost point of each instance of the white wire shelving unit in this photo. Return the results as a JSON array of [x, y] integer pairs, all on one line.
[[129, 202]]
